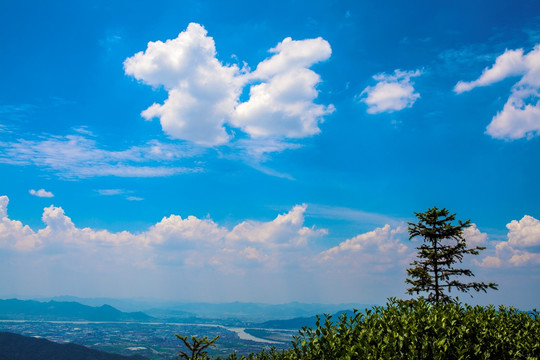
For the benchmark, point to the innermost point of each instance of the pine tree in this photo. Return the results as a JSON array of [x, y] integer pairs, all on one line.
[[444, 246]]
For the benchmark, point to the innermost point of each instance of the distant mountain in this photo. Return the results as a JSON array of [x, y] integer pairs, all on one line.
[[254, 312], [232, 313], [18, 347], [298, 323], [14, 309]]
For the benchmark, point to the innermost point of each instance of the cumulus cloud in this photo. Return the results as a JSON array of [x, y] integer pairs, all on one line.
[[522, 247], [520, 116], [204, 94], [61, 231], [76, 156], [187, 240], [41, 193], [282, 105], [393, 92], [13, 234], [284, 230], [474, 237], [380, 249], [524, 233], [202, 91], [506, 255], [175, 231], [179, 254], [273, 246]]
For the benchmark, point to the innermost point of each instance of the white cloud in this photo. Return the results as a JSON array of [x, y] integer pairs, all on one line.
[[134, 198], [520, 116], [517, 119], [284, 230], [13, 234], [283, 107], [174, 230], [392, 92], [76, 156], [56, 220], [508, 64], [204, 93], [193, 243], [61, 232], [189, 241], [524, 233], [293, 55], [260, 148], [522, 247], [353, 215], [41, 193], [474, 237], [111, 192], [115, 192], [380, 249], [506, 255], [278, 260]]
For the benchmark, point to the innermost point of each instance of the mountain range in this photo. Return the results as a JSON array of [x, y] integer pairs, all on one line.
[[284, 316], [299, 322], [14, 309], [244, 311]]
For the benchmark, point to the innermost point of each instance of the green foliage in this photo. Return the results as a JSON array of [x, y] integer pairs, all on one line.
[[443, 247], [196, 346], [417, 330]]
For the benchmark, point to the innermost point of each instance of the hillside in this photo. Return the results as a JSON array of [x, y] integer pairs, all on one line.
[[14, 309], [18, 347], [248, 312], [299, 322]]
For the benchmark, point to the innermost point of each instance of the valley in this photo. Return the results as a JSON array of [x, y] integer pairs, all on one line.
[[151, 340]]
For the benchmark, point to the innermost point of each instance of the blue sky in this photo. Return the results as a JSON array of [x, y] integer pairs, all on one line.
[[222, 151]]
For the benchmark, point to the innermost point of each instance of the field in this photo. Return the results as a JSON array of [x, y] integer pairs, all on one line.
[[152, 340]]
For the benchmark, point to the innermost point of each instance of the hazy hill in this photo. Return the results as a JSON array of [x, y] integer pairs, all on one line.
[[18, 347], [14, 309], [244, 311], [286, 316], [252, 312], [299, 322]]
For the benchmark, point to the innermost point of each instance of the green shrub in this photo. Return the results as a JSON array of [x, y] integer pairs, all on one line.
[[417, 330]]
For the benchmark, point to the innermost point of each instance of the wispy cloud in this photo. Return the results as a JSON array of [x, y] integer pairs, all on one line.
[[355, 215], [134, 198], [111, 192], [76, 156], [16, 112], [520, 116], [116, 192]]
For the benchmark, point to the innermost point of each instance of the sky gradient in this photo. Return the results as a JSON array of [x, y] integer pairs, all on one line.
[[226, 151]]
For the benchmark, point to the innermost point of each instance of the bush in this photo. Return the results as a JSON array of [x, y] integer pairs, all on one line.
[[417, 330]]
